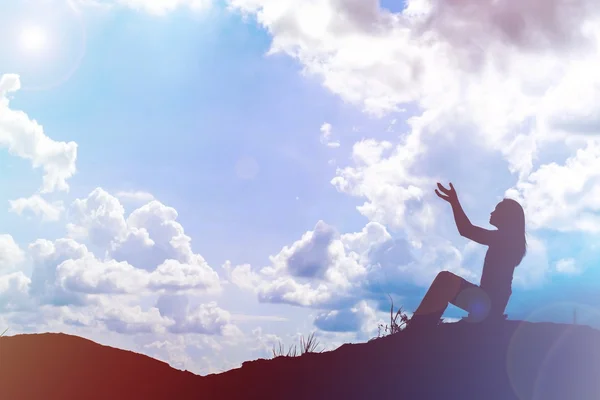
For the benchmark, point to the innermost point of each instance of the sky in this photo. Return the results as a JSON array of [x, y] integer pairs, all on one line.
[[201, 180]]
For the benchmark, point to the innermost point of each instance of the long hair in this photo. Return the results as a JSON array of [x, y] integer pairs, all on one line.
[[512, 224]]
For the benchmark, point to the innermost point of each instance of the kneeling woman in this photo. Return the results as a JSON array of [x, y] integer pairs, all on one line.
[[506, 248]]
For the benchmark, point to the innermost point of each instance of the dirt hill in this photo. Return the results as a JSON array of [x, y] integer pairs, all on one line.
[[517, 360]]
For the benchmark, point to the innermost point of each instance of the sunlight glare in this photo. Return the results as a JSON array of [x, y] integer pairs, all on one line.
[[33, 38]]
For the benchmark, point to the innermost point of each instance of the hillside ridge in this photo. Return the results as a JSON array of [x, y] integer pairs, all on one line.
[[512, 360]]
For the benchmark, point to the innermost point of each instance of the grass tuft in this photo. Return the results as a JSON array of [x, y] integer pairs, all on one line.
[[397, 322], [309, 345]]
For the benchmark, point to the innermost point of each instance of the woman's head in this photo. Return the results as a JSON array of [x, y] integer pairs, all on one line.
[[509, 218], [508, 215]]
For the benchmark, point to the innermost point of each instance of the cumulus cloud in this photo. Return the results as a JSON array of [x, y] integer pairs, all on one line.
[[102, 271], [38, 206], [11, 254], [309, 257], [14, 292], [564, 196], [380, 59], [242, 276], [25, 138], [173, 276], [46, 257], [359, 318], [327, 270], [99, 218], [92, 276], [384, 178], [66, 272], [149, 238], [159, 221], [205, 318], [132, 320]]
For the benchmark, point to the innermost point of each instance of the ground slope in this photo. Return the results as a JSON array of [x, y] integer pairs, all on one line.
[[53, 366], [516, 360]]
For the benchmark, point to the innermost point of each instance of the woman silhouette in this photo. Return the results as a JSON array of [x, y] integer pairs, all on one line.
[[506, 248]]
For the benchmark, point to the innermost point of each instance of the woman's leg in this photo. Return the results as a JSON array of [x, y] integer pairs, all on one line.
[[446, 288], [499, 300], [483, 304]]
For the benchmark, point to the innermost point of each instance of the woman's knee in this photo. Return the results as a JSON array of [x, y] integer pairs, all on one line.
[[445, 276]]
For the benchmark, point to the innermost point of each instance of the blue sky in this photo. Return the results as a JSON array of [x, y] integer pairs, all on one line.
[[200, 106], [184, 106]]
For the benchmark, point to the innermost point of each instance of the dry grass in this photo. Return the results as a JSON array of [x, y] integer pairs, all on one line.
[[309, 345], [397, 322], [2, 334]]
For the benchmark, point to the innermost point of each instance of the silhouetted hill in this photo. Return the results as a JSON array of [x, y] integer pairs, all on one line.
[[517, 360], [53, 366]]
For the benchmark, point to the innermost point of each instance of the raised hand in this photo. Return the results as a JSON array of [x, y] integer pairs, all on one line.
[[449, 194]]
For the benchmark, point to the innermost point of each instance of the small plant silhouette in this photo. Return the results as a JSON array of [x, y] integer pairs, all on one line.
[[306, 346], [397, 322], [2, 334]]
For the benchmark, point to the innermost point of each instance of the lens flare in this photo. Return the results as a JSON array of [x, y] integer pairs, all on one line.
[[33, 38], [52, 40]]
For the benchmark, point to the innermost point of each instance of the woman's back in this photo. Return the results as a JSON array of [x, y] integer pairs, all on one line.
[[499, 265]]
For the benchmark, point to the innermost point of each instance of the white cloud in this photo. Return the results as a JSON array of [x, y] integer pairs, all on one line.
[[310, 256], [25, 138], [287, 290], [132, 320], [66, 272], [11, 254], [149, 238], [71, 289], [139, 197], [326, 136], [14, 292], [99, 218], [173, 276], [92, 276], [205, 318], [327, 270], [242, 275], [534, 269], [564, 197], [168, 236], [386, 182], [38, 206], [154, 7], [380, 59], [567, 266], [360, 318], [263, 344]]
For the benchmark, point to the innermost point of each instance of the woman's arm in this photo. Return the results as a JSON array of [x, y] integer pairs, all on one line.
[[465, 227]]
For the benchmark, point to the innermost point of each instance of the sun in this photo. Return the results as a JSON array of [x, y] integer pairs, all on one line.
[[33, 38]]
